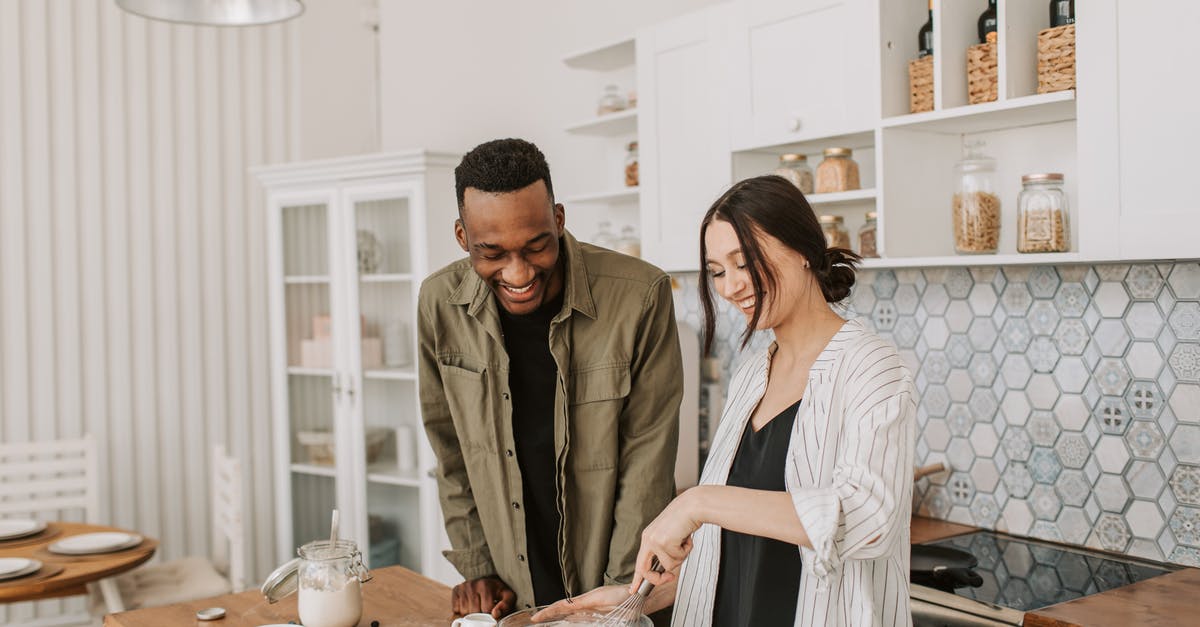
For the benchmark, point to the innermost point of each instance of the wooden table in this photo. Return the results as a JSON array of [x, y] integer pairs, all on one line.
[[77, 570], [396, 597]]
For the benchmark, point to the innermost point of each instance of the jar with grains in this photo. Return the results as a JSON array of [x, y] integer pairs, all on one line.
[[837, 172], [975, 211], [631, 165], [866, 237], [1042, 215], [611, 101], [835, 232], [794, 167]]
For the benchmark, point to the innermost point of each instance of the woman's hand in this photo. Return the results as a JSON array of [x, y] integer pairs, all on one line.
[[603, 598], [669, 538]]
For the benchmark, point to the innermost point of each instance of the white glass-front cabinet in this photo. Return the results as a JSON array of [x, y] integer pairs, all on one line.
[[351, 240]]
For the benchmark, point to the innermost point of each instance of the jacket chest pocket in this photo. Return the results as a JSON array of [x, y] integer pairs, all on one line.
[[597, 399], [472, 407]]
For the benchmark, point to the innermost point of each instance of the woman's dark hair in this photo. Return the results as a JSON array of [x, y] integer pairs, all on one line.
[[771, 205], [502, 165]]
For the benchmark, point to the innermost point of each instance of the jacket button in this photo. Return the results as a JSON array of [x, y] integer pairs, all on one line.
[[516, 505], [509, 452], [505, 395], [520, 558]]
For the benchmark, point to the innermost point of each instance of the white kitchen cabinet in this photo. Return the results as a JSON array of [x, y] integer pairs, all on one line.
[[803, 68], [350, 241], [683, 121]]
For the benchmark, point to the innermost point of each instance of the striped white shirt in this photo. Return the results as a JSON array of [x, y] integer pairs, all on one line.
[[849, 472]]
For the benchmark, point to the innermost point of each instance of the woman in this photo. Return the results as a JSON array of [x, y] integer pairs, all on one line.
[[802, 515]]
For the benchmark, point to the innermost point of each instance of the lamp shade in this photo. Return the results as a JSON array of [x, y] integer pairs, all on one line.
[[215, 12]]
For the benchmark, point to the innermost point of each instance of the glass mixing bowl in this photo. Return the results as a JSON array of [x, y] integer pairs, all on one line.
[[580, 618]]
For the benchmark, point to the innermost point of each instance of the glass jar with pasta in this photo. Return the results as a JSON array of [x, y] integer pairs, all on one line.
[[975, 210], [1042, 215]]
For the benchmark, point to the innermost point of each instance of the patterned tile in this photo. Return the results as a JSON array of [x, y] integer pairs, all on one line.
[[1073, 488], [1111, 493], [1016, 299], [959, 351], [1185, 525], [936, 400], [935, 299], [1111, 453], [1186, 556], [936, 367], [936, 503], [1111, 272], [960, 420], [1043, 317], [1145, 480], [1144, 360], [1111, 412], [906, 332], [1043, 429], [961, 488], [1045, 502], [1185, 443], [1017, 334], [1185, 402], [982, 299], [982, 334], [1145, 439], [958, 283], [1072, 299], [1071, 337], [1112, 532], [1185, 280], [1043, 282], [885, 284], [884, 315], [983, 404], [1073, 450], [985, 511], [1042, 530], [1072, 375], [1185, 320], [982, 369], [1144, 400], [1043, 355], [960, 454], [906, 300], [1144, 282], [1016, 371], [862, 299], [1018, 480], [1017, 444], [958, 316], [1111, 299], [1185, 484], [1044, 465], [1112, 377]]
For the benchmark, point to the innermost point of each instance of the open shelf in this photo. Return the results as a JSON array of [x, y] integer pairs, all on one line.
[[301, 371], [604, 58], [841, 198], [991, 116], [385, 278], [607, 125], [624, 194], [386, 472], [814, 144], [391, 374], [314, 470], [974, 260], [306, 280]]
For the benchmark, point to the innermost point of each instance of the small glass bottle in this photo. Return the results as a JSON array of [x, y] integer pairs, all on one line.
[[1062, 12], [975, 211], [330, 575], [611, 101], [867, 237], [837, 172], [835, 232], [794, 167], [629, 243], [604, 236], [988, 21], [1042, 225], [631, 165], [925, 35]]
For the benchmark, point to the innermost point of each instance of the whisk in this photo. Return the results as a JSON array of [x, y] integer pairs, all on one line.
[[630, 611]]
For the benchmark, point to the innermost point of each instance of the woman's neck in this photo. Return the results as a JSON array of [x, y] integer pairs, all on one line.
[[805, 334]]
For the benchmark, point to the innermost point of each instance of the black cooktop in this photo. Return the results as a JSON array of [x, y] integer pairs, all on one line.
[[1028, 574]]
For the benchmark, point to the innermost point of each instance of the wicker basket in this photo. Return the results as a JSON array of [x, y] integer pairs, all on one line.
[[1056, 59], [319, 445], [982, 74], [920, 84]]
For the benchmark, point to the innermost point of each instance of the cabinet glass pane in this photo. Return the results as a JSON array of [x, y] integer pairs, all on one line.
[[394, 526], [384, 246], [313, 498], [305, 241]]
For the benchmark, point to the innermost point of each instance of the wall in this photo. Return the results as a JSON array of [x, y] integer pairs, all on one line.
[[1066, 400]]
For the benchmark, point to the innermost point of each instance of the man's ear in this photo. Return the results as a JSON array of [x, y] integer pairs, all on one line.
[[460, 234], [560, 218]]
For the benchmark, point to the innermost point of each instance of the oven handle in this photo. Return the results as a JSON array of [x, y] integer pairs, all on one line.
[[951, 609]]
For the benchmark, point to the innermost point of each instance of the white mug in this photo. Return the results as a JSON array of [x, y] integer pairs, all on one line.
[[474, 620]]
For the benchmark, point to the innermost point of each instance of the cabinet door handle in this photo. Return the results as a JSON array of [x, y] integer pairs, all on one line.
[[794, 123]]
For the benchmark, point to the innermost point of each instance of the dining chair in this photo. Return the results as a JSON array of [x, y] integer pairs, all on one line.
[[196, 577]]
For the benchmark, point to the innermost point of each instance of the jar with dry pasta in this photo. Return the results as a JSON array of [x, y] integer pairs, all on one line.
[[975, 211], [837, 172], [1042, 215], [834, 228]]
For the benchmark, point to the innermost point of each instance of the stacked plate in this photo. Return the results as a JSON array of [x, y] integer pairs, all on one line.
[[92, 543], [16, 528], [13, 567]]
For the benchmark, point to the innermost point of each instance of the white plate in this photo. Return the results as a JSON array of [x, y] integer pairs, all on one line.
[[89, 543], [13, 528], [13, 567]]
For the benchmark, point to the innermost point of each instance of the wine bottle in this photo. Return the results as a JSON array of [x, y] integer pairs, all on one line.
[[1062, 12], [988, 23], [925, 36]]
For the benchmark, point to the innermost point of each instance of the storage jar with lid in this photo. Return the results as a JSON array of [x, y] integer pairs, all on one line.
[[1042, 215], [975, 210], [794, 167], [629, 243], [329, 578], [604, 237], [837, 172], [631, 165], [834, 228], [611, 101], [866, 237]]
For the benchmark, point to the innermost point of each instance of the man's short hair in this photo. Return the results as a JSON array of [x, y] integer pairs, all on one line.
[[502, 165]]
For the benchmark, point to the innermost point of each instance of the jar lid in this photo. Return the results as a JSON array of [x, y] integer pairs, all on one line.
[[830, 219], [838, 152], [791, 156], [1045, 176], [282, 581], [871, 215], [632, 146]]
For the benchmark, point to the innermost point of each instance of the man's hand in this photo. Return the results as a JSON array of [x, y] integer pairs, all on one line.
[[486, 594]]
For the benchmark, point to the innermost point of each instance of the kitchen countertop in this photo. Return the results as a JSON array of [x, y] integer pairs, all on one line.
[[1162, 600]]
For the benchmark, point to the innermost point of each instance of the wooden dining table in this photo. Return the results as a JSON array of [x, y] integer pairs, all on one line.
[[67, 575], [395, 597]]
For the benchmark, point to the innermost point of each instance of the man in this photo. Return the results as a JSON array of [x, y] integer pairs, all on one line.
[[550, 388]]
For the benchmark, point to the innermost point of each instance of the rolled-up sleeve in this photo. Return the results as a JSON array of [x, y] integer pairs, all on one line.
[[863, 512]]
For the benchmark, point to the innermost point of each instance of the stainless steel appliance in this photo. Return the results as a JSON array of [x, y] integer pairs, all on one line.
[[1020, 575]]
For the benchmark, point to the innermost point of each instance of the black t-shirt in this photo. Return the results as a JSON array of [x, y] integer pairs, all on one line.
[[759, 578], [532, 381]]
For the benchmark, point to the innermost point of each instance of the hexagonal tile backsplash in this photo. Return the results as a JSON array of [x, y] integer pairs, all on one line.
[[1066, 400]]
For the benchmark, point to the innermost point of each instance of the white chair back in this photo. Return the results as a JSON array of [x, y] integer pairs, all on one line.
[[229, 537], [50, 477]]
